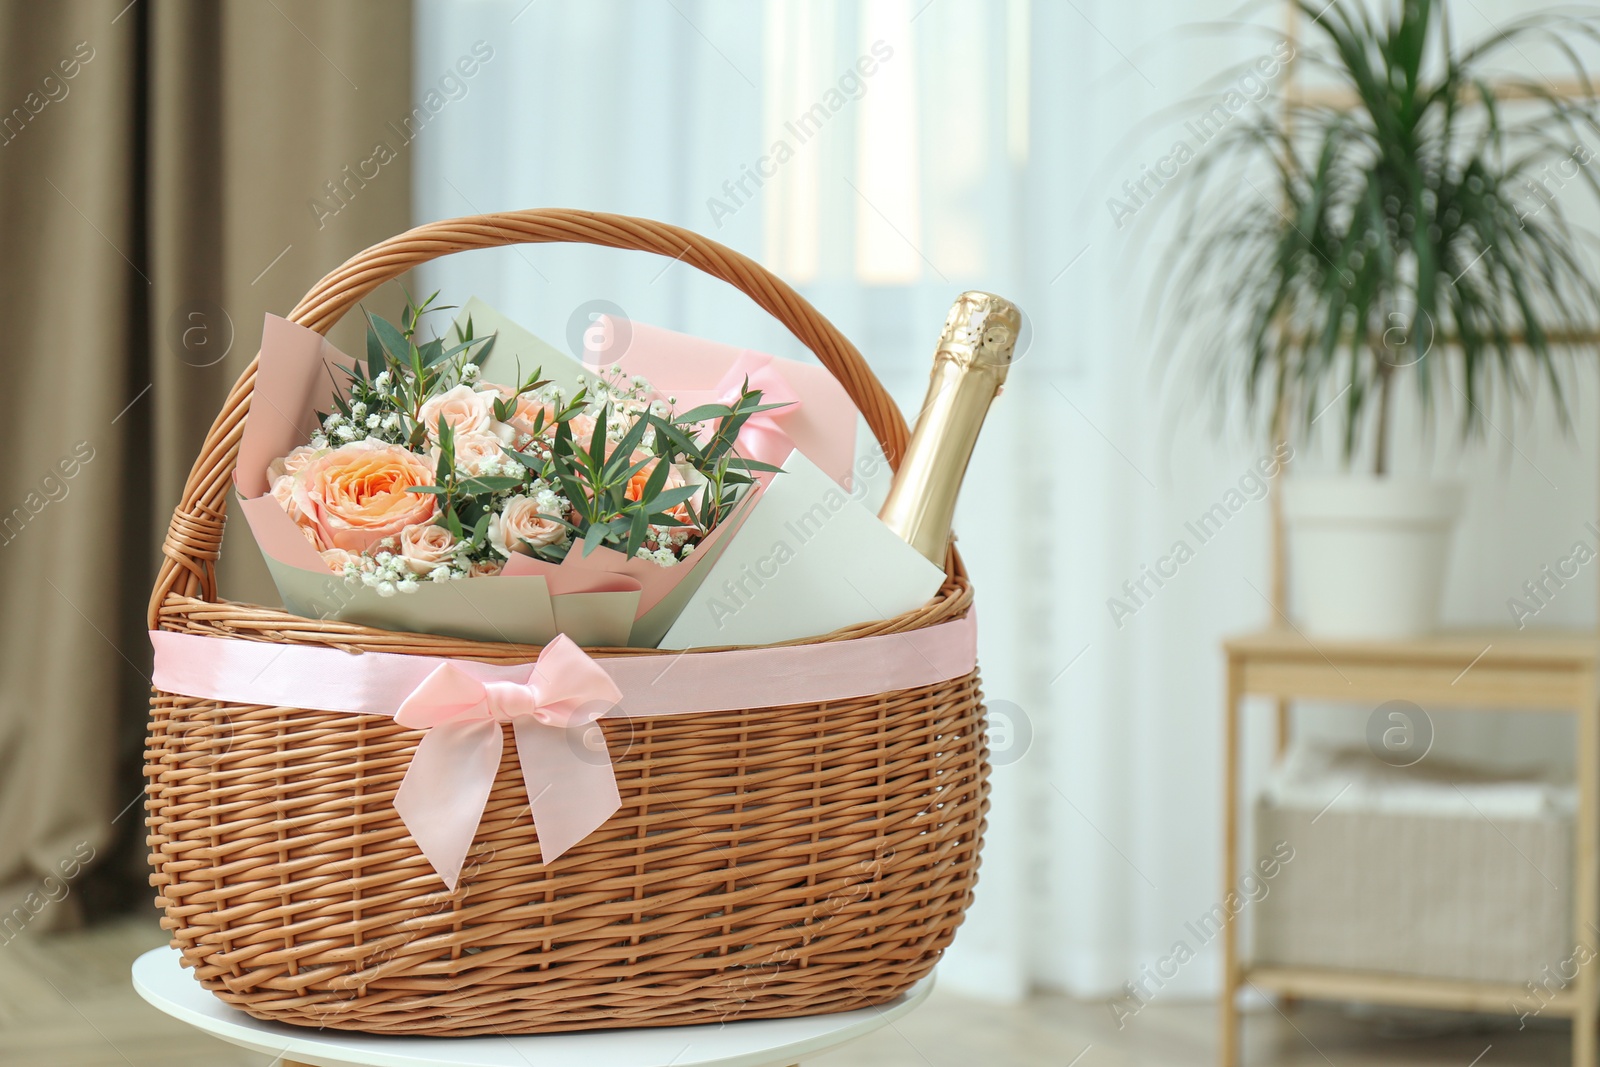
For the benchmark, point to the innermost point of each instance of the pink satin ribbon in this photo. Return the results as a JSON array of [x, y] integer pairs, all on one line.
[[761, 437], [447, 785], [550, 704]]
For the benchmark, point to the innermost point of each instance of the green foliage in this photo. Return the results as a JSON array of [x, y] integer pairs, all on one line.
[[595, 479], [1401, 235]]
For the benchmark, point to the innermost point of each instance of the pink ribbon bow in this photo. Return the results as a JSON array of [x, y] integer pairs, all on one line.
[[761, 438], [571, 786]]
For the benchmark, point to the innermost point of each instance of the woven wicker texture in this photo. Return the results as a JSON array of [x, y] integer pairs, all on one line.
[[766, 862]]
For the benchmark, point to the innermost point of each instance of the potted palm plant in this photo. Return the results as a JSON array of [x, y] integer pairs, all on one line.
[[1401, 238]]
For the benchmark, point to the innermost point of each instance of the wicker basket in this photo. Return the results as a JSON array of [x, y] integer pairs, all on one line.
[[767, 862]]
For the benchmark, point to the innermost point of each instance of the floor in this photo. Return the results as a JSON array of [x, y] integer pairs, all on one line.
[[65, 1002]]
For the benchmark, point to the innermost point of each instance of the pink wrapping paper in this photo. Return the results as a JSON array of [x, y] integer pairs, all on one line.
[[820, 421]]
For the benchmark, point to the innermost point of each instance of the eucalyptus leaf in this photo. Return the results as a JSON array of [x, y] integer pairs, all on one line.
[[375, 358], [431, 352], [637, 529], [704, 413], [483, 353], [670, 498], [391, 339], [489, 483], [743, 463]]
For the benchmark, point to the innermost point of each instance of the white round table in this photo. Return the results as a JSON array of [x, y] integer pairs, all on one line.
[[160, 978]]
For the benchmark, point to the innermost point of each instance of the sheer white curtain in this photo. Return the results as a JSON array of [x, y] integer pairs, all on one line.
[[885, 155]]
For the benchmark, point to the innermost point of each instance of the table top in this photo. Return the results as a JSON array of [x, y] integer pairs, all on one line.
[[1533, 647], [159, 977]]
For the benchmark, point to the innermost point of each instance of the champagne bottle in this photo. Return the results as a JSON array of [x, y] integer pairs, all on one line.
[[969, 367]]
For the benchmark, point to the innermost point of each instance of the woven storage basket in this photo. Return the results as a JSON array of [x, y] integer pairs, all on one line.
[[765, 862]]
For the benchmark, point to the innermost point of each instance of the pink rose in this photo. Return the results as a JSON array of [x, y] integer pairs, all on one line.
[[525, 417], [508, 432], [356, 495], [293, 463], [336, 558], [521, 524], [283, 493], [463, 408], [486, 569], [582, 427], [475, 452], [426, 548]]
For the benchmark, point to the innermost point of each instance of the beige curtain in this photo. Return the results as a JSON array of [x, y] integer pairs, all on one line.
[[167, 175]]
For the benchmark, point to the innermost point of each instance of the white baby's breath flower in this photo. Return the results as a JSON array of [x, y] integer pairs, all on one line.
[[345, 433], [373, 422], [386, 588]]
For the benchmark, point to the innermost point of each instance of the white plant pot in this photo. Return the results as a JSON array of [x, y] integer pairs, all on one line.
[[1367, 555]]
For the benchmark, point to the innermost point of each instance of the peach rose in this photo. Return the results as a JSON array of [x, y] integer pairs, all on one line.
[[463, 408], [474, 451], [426, 548], [641, 478], [356, 495], [485, 569], [520, 523]]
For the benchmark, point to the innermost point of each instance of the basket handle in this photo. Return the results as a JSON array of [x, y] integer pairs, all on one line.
[[195, 533]]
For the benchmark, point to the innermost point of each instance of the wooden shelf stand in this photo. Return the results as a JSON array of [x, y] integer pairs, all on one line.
[[1529, 670]]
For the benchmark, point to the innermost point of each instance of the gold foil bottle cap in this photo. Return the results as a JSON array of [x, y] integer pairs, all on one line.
[[981, 330]]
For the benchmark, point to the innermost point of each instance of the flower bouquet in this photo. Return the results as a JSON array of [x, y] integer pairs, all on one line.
[[441, 486]]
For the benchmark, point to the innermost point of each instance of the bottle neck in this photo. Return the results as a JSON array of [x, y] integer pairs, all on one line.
[[921, 503]]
